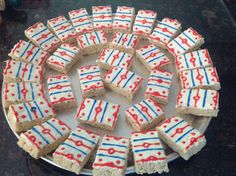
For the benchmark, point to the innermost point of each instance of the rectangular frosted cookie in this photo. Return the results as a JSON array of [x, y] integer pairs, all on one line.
[[200, 102], [112, 57], [76, 150], [60, 92], [44, 138], [62, 28], [200, 78], [98, 113], [25, 115], [187, 41], [27, 52], [92, 42], [158, 86], [17, 92], [123, 82], [152, 57], [64, 58], [123, 19], [149, 154], [17, 71], [181, 137], [39, 35], [164, 32], [124, 42], [80, 21], [90, 81], [111, 157], [144, 22], [145, 115], [196, 59], [102, 18]]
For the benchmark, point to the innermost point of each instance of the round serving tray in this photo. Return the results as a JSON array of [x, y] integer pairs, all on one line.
[[122, 128]]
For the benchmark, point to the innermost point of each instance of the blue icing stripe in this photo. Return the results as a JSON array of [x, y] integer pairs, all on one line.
[[26, 49], [59, 24], [103, 113], [116, 75], [47, 40], [206, 76], [127, 13], [35, 54], [30, 72], [80, 16], [131, 38], [122, 57], [87, 73], [142, 26], [186, 62], [91, 110], [189, 96], [58, 82], [65, 49], [19, 69], [167, 25], [75, 148], [28, 112], [54, 93], [147, 149], [39, 32], [82, 24], [86, 82], [122, 20], [85, 35], [192, 78], [128, 80], [181, 137], [204, 98], [199, 58], [150, 107], [141, 113], [84, 138], [145, 17], [40, 111], [168, 36], [145, 139], [64, 31], [156, 58], [96, 33], [50, 124], [110, 156], [18, 90], [158, 85], [101, 21], [161, 77], [36, 131], [120, 38], [149, 51], [179, 45], [167, 131], [116, 145], [32, 90], [101, 13], [109, 55], [188, 37]]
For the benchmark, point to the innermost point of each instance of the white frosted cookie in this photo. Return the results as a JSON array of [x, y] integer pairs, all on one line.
[[158, 86], [149, 154], [123, 19], [27, 52], [25, 115], [111, 157], [17, 71], [200, 78], [102, 18], [92, 42], [44, 138], [124, 42], [152, 57], [111, 57], [181, 137], [187, 41], [196, 59], [80, 21], [144, 22], [60, 92], [62, 28], [64, 58], [145, 115], [98, 113], [90, 81], [164, 32], [123, 81], [76, 150], [17, 92], [39, 35], [200, 102]]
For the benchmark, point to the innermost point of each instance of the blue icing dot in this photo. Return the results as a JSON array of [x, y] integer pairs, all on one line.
[[33, 109]]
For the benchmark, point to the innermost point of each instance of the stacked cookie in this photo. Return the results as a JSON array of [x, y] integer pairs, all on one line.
[[64, 42]]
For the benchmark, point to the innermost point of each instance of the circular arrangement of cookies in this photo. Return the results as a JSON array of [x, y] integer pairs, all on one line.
[[120, 117]]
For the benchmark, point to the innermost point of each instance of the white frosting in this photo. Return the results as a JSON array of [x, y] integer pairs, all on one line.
[[128, 41], [27, 52], [41, 36], [102, 17], [80, 20]]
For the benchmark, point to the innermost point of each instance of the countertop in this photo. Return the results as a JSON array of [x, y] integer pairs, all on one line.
[[211, 18]]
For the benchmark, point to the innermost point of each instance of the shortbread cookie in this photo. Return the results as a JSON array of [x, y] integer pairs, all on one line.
[[90, 81], [181, 137], [200, 102], [196, 59], [80, 21], [152, 57], [64, 58], [74, 153], [145, 115], [123, 81], [60, 92], [124, 42], [158, 86], [25, 115], [62, 28], [185, 42], [27, 52], [39, 35], [17, 92], [92, 42], [98, 113], [144, 22], [17, 71], [123, 19], [200, 78], [43, 139], [149, 154], [111, 57], [102, 18], [164, 32], [111, 157]]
